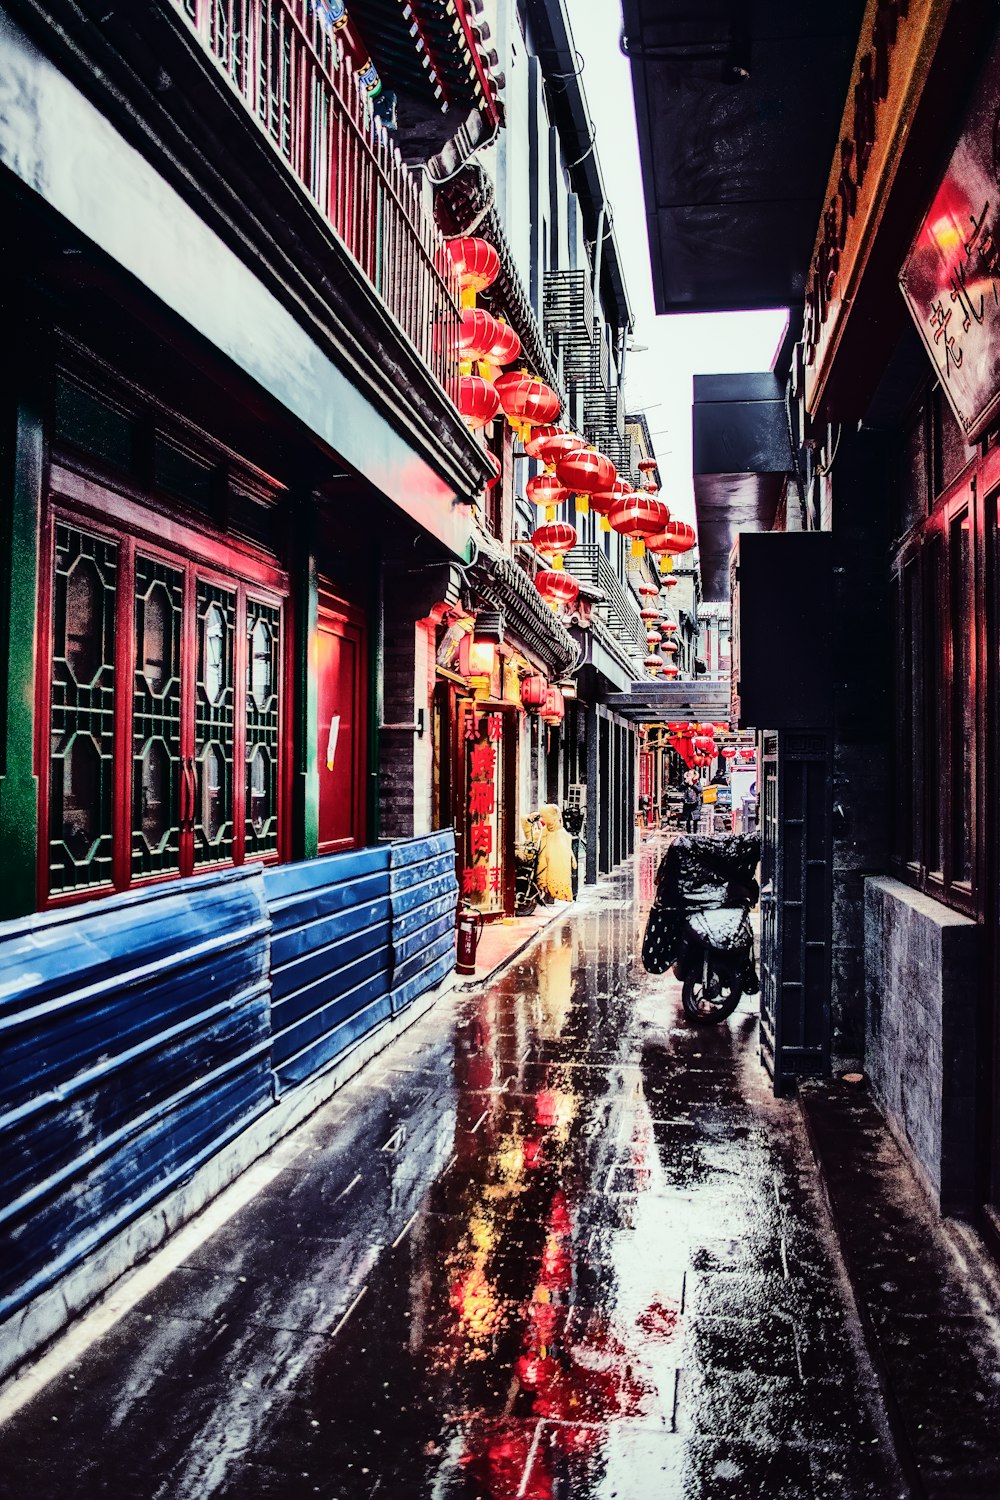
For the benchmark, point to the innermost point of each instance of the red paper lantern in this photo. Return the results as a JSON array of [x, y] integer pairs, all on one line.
[[669, 626], [533, 690], [652, 664], [652, 638], [507, 346], [648, 590], [545, 491], [553, 539], [553, 709], [638, 516], [477, 264], [669, 646], [675, 537], [669, 670], [478, 333], [497, 470], [585, 473], [535, 443], [729, 752], [604, 501], [477, 400], [556, 447], [556, 586], [647, 615], [526, 400], [668, 582]]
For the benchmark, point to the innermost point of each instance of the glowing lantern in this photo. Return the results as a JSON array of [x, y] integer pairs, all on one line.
[[553, 539], [477, 400], [675, 537], [527, 401], [557, 587], [546, 492], [477, 264], [533, 691], [476, 658], [638, 516], [585, 472], [553, 709]]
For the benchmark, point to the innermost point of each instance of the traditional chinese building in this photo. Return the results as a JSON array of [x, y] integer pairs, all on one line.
[[237, 500], [858, 479]]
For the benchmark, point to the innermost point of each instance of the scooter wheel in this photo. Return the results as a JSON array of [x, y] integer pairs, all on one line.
[[705, 1008]]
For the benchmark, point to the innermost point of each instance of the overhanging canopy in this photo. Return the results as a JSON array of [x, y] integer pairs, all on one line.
[[738, 106]]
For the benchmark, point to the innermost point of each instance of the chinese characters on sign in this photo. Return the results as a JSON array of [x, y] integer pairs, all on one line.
[[951, 276], [482, 878]]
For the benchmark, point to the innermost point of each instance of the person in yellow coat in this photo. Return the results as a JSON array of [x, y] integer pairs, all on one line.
[[555, 859]]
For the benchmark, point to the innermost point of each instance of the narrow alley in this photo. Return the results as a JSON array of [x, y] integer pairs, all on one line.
[[552, 1242]]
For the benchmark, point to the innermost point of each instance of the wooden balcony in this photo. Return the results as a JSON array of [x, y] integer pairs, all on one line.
[[282, 60]]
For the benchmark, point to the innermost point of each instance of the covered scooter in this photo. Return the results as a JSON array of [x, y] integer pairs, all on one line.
[[700, 922]]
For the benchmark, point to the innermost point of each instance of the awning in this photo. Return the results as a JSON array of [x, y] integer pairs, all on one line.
[[741, 457], [660, 702], [738, 108]]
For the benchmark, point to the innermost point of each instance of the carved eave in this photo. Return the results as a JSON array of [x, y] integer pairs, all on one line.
[[148, 74]]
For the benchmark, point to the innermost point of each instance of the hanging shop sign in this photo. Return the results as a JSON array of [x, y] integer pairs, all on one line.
[[482, 873], [951, 277], [898, 39]]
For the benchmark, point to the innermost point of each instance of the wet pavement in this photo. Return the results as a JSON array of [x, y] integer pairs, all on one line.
[[927, 1300], [552, 1243]]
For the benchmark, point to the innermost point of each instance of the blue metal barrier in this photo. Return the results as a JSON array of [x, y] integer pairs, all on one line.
[[134, 1042], [330, 957], [141, 1033], [424, 894]]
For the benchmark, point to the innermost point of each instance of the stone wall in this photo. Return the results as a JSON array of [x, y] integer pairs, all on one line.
[[921, 962]]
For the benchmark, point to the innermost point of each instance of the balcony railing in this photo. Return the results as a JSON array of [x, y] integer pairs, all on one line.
[[590, 565], [283, 60]]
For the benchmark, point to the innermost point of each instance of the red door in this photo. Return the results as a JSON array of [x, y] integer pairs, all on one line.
[[342, 667]]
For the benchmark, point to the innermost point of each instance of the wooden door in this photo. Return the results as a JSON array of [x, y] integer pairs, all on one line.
[[342, 669]]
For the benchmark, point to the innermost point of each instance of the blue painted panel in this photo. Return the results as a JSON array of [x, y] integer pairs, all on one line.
[[301, 1067], [134, 1040], [331, 956], [405, 994], [407, 922], [424, 895]]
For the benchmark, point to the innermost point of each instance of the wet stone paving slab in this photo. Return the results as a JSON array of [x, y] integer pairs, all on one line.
[[552, 1243]]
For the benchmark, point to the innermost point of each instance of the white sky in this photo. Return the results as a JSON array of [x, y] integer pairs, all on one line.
[[680, 346]]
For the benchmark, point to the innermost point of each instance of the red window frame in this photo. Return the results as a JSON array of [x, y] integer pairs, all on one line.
[[125, 518]]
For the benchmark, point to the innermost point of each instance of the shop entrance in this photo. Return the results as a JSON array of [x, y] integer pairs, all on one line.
[[342, 680]]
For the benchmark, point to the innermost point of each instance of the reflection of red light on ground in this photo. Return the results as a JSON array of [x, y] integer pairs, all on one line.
[[533, 1154], [659, 1321]]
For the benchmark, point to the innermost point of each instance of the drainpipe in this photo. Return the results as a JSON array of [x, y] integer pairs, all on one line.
[[598, 254]]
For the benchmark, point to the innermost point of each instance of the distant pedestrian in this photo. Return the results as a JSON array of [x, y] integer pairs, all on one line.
[[692, 802]]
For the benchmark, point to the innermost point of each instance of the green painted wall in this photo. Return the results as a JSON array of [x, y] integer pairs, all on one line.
[[20, 512]]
